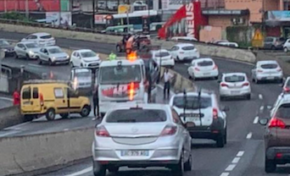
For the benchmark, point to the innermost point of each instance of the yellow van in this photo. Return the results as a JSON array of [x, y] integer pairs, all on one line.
[[48, 97]]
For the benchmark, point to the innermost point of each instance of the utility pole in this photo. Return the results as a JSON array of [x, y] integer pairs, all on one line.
[[5, 5], [148, 6], [94, 13]]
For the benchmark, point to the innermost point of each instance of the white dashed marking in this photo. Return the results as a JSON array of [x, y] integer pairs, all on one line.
[[256, 120], [225, 174], [236, 160], [260, 96], [230, 167], [249, 135], [240, 154], [261, 108]]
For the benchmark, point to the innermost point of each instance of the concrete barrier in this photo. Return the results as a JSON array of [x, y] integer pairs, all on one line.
[[210, 50], [27, 154], [10, 116]]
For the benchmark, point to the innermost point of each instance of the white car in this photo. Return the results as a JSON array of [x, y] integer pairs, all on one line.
[[286, 85], [163, 57], [202, 115], [184, 51], [53, 55], [85, 58], [203, 68], [28, 50], [230, 44], [286, 45], [282, 98], [184, 38], [143, 135], [267, 71], [42, 39], [234, 85]]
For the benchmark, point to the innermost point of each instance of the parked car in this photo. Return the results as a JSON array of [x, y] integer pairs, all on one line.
[[7, 48], [274, 43], [27, 50], [124, 139], [53, 55], [42, 39]]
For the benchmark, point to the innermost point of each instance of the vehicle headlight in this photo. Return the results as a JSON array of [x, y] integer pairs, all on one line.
[[67, 56], [30, 52], [53, 58]]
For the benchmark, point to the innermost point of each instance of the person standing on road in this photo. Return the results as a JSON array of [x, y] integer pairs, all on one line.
[[149, 86], [167, 77], [16, 97], [96, 103]]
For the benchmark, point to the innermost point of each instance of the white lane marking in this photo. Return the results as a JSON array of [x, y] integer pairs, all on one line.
[[240, 154], [225, 174], [34, 65], [5, 98], [17, 126], [249, 135], [261, 108], [230, 167], [256, 120], [84, 171], [236, 160], [260, 96]]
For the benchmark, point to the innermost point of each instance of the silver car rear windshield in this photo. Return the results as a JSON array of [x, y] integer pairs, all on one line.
[[136, 116], [269, 66], [118, 75], [192, 102], [234, 78], [205, 63], [46, 37], [187, 48], [283, 111]]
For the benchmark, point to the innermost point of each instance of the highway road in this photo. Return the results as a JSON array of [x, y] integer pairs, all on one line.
[[5, 102], [242, 156]]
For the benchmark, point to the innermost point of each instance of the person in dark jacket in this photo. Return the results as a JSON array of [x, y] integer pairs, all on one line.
[[149, 78], [96, 103]]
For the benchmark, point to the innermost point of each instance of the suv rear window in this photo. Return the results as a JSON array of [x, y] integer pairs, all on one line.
[[235, 78], [283, 111], [162, 54], [46, 37], [187, 48], [269, 66], [136, 116], [192, 102], [205, 63]]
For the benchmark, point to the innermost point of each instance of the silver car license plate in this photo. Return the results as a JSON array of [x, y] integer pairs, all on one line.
[[135, 153], [235, 92]]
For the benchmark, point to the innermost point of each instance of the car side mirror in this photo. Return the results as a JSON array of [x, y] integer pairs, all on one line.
[[226, 108], [263, 121]]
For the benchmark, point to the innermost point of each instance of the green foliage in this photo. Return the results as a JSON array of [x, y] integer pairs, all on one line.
[[15, 16], [240, 35]]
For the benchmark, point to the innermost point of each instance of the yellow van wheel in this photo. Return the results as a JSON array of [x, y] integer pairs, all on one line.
[[50, 114], [86, 111]]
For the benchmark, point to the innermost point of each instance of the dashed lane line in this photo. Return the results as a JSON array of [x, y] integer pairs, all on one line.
[[236, 160], [240, 154], [249, 135], [260, 96], [256, 120], [233, 164], [230, 167]]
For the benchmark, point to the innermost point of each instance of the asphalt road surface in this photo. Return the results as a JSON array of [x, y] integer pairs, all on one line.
[[242, 156], [5, 102]]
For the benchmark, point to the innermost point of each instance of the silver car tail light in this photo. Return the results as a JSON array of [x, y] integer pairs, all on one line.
[[169, 131], [102, 132]]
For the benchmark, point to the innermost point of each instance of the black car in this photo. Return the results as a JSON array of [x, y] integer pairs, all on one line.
[[7, 47]]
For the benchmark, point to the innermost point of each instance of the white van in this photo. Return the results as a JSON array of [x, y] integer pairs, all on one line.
[[121, 81]]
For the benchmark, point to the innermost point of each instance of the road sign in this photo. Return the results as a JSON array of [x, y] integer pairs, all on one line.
[[258, 39]]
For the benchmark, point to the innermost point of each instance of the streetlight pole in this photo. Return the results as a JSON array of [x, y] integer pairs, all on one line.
[[26, 8], [94, 13]]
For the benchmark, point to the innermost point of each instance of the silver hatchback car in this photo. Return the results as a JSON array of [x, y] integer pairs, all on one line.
[[147, 135]]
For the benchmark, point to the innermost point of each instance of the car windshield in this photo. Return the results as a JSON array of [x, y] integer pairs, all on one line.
[[283, 111], [31, 45], [83, 74], [136, 116], [287, 84], [162, 54], [192, 102], [88, 54], [205, 63], [188, 48], [269, 66], [234, 78], [46, 37], [54, 50], [4, 43], [120, 74]]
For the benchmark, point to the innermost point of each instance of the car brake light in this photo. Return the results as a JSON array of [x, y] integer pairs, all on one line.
[[276, 123], [260, 71], [246, 84], [197, 69], [215, 67], [286, 89], [169, 130], [102, 132], [214, 113], [224, 85]]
